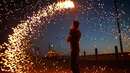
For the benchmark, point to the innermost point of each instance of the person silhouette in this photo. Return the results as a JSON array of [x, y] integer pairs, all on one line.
[[74, 38]]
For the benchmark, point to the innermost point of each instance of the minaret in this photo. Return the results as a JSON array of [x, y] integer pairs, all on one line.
[[49, 46]]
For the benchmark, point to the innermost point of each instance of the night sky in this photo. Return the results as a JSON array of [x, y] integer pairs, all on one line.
[[97, 24]]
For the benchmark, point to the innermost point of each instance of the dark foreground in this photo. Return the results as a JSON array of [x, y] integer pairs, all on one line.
[[100, 66], [86, 66]]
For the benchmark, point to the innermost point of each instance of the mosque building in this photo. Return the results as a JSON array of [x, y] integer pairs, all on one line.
[[51, 51]]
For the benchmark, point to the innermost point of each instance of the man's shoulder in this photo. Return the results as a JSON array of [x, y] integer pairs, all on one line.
[[71, 30], [75, 30]]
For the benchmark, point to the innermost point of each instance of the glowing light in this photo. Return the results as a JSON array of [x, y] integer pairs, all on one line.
[[0, 47], [69, 4]]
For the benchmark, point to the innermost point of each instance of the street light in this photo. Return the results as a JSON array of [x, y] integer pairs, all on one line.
[[59, 39], [119, 27]]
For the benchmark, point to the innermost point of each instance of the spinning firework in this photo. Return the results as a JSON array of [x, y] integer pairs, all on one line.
[[15, 58]]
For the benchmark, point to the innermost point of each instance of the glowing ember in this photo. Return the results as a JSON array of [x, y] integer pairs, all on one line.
[[69, 4]]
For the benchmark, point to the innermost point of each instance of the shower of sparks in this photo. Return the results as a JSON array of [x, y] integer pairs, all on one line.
[[15, 58]]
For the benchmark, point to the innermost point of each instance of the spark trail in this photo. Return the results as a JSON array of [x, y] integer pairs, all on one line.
[[15, 57]]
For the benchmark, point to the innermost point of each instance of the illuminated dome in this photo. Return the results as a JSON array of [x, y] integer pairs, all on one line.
[[51, 52]]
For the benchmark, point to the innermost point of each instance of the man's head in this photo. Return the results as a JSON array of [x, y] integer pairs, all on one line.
[[75, 24]]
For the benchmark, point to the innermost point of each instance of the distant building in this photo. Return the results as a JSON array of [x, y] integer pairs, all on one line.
[[51, 52]]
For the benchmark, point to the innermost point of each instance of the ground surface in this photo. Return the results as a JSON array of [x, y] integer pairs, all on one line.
[[63, 66]]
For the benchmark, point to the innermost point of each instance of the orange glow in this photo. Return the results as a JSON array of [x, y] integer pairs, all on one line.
[[66, 4], [69, 4]]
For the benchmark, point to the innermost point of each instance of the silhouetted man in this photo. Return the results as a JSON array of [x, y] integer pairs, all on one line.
[[74, 38]]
